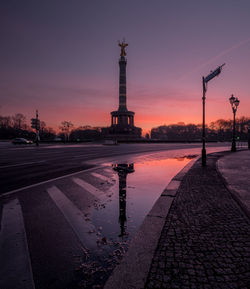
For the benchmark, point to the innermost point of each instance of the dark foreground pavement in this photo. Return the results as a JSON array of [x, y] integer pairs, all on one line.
[[204, 240]]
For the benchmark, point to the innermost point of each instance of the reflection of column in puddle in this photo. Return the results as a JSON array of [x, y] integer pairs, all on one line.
[[123, 170]]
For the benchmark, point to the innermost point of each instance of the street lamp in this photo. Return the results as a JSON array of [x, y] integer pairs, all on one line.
[[205, 80], [234, 103], [249, 137]]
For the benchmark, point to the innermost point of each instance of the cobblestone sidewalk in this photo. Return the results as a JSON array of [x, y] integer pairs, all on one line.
[[205, 242]]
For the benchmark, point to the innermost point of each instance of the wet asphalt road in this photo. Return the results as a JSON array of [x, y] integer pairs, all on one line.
[[22, 166], [44, 234]]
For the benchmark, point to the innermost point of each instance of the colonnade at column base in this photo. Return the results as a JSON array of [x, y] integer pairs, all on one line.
[[122, 133]]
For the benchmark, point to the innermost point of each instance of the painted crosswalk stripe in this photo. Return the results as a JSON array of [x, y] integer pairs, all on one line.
[[45, 182], [15, 265], [88, 187], [75, 218], [101, 177]]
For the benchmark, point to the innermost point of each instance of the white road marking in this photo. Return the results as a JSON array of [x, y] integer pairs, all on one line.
[[15, 265], [75, 218], [45, 182], [88, 187], [85, 155], [23, 148], [69, 146], [23, 164], [101, 177], [108, 170]]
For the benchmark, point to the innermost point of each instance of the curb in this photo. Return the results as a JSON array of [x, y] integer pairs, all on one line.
[[133, 270]]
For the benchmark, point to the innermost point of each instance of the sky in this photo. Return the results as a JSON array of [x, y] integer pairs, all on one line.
[[61, 57]]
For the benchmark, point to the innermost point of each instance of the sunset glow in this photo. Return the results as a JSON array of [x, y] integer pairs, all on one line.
[[62, 59]]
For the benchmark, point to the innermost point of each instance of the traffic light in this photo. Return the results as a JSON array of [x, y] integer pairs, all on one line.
[[35, 123]]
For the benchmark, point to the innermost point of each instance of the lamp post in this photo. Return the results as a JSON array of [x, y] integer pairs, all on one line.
[[234, 103], [205, 80], [248, 137]]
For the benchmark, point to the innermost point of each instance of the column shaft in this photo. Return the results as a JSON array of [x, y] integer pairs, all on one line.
[[122, 85]]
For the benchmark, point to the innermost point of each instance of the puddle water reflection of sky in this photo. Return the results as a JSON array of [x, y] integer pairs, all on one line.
[[136, 182], [121, 212], [134, 193]]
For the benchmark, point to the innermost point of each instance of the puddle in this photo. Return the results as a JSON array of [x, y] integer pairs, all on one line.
[[138, 186], [136, 182], [135, 188]]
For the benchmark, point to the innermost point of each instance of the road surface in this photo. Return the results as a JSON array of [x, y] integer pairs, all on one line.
[[21, 166], [49, 197]]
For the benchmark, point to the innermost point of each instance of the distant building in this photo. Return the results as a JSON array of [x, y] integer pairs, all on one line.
[[122, 120]]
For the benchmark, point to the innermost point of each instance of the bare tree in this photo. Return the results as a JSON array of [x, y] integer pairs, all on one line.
[[66, 127], [18, 120], [5, 121], [42, 125]]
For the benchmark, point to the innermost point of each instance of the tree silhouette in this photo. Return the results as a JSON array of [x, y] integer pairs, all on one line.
[[219, 130], [19, 121], [66, 127]]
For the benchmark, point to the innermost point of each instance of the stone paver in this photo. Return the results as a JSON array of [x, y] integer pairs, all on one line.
[[235, 169], [205, 242]]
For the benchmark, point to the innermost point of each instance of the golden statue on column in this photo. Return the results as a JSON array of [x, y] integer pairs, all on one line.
[[123, 45]]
